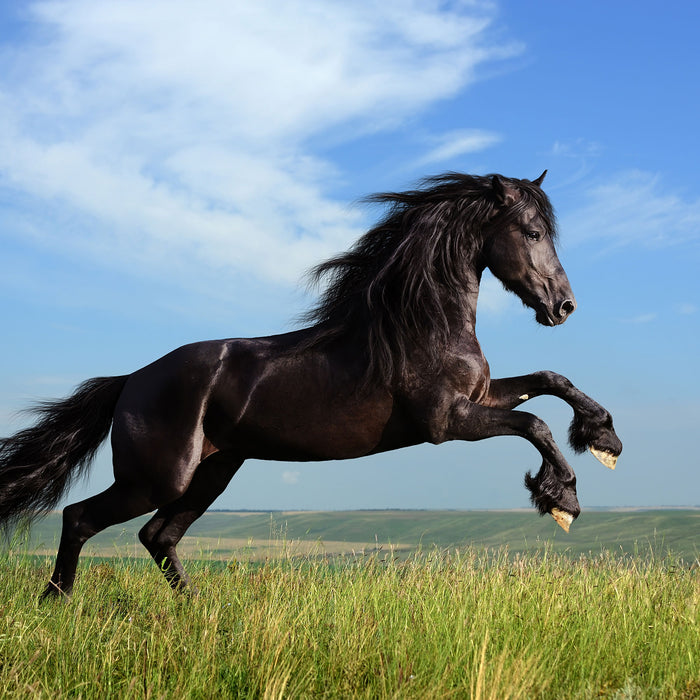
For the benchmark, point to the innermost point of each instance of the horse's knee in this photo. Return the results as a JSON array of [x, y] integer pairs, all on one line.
[[538, 430], [147, 535], [153, 536], [157, 537]]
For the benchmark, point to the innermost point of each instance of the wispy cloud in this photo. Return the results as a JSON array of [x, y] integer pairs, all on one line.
[[458, 143], [143, 133], [577, 149], [578, 154], [641, 319], [686, 309], [634, 208]]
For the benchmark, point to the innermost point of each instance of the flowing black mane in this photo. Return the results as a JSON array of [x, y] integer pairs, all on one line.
[[400, 281]]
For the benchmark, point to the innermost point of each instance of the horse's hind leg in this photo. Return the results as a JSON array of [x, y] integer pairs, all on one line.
[[162, 533], [82, 520]]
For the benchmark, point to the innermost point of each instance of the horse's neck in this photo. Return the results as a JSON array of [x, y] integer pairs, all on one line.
[[464, 318]]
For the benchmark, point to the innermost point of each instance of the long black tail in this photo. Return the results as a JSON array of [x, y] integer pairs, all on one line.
[[38, 464]]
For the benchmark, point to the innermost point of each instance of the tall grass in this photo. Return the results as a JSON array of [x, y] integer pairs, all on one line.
[[463, 624]]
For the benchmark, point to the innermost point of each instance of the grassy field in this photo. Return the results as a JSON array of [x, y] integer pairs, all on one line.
[[446, 621], [257, 535]]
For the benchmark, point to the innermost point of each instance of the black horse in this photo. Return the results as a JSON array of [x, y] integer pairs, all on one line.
[[389, 359]]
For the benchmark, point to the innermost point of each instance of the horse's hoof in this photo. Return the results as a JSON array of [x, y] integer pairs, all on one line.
[[563, 518], [607, 459], [53, 592]]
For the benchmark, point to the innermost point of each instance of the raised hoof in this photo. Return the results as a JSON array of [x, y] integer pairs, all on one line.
[[562, 518], [607, 459]]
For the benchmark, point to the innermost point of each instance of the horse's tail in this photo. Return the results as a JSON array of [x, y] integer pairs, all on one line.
[[38, 464]]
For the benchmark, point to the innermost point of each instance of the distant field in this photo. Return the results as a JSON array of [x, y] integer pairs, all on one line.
[[248, 535]]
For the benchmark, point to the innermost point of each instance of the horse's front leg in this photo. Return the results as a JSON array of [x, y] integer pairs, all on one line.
[[591, 427], [553, 488]]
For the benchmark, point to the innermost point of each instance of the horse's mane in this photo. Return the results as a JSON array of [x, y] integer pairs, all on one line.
[[403, 280]]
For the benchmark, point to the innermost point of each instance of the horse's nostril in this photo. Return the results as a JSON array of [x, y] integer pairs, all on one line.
[[568, 306]]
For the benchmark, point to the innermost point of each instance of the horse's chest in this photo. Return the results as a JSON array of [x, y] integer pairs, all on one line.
[[468, 374]]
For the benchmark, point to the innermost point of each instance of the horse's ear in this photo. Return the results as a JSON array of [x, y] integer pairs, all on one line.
[[505, 194], [538, 181]]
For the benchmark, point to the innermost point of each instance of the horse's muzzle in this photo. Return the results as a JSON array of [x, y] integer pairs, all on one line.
[[556, 314]]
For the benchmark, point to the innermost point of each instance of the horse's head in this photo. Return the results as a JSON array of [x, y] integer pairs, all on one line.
[[520, 249]]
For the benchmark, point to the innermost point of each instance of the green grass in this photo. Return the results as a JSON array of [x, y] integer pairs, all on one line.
[[466, 623], [368, 604]]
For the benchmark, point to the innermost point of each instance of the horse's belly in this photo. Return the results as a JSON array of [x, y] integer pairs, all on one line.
[[300, 420], [302, 430]]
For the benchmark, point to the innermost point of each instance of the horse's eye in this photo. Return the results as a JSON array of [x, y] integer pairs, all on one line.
[[533, 235]]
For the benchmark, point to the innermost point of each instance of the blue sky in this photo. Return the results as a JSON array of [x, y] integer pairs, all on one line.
[[168, 170]]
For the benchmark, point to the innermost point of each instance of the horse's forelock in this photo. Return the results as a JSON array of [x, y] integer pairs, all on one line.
[[533, 195]]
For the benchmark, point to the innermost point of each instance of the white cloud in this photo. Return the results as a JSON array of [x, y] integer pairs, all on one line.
[[633, 208], [291, 477], [167, 130]]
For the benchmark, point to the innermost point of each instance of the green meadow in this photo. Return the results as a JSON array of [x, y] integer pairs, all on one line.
[[254, 534], [397, 604]]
